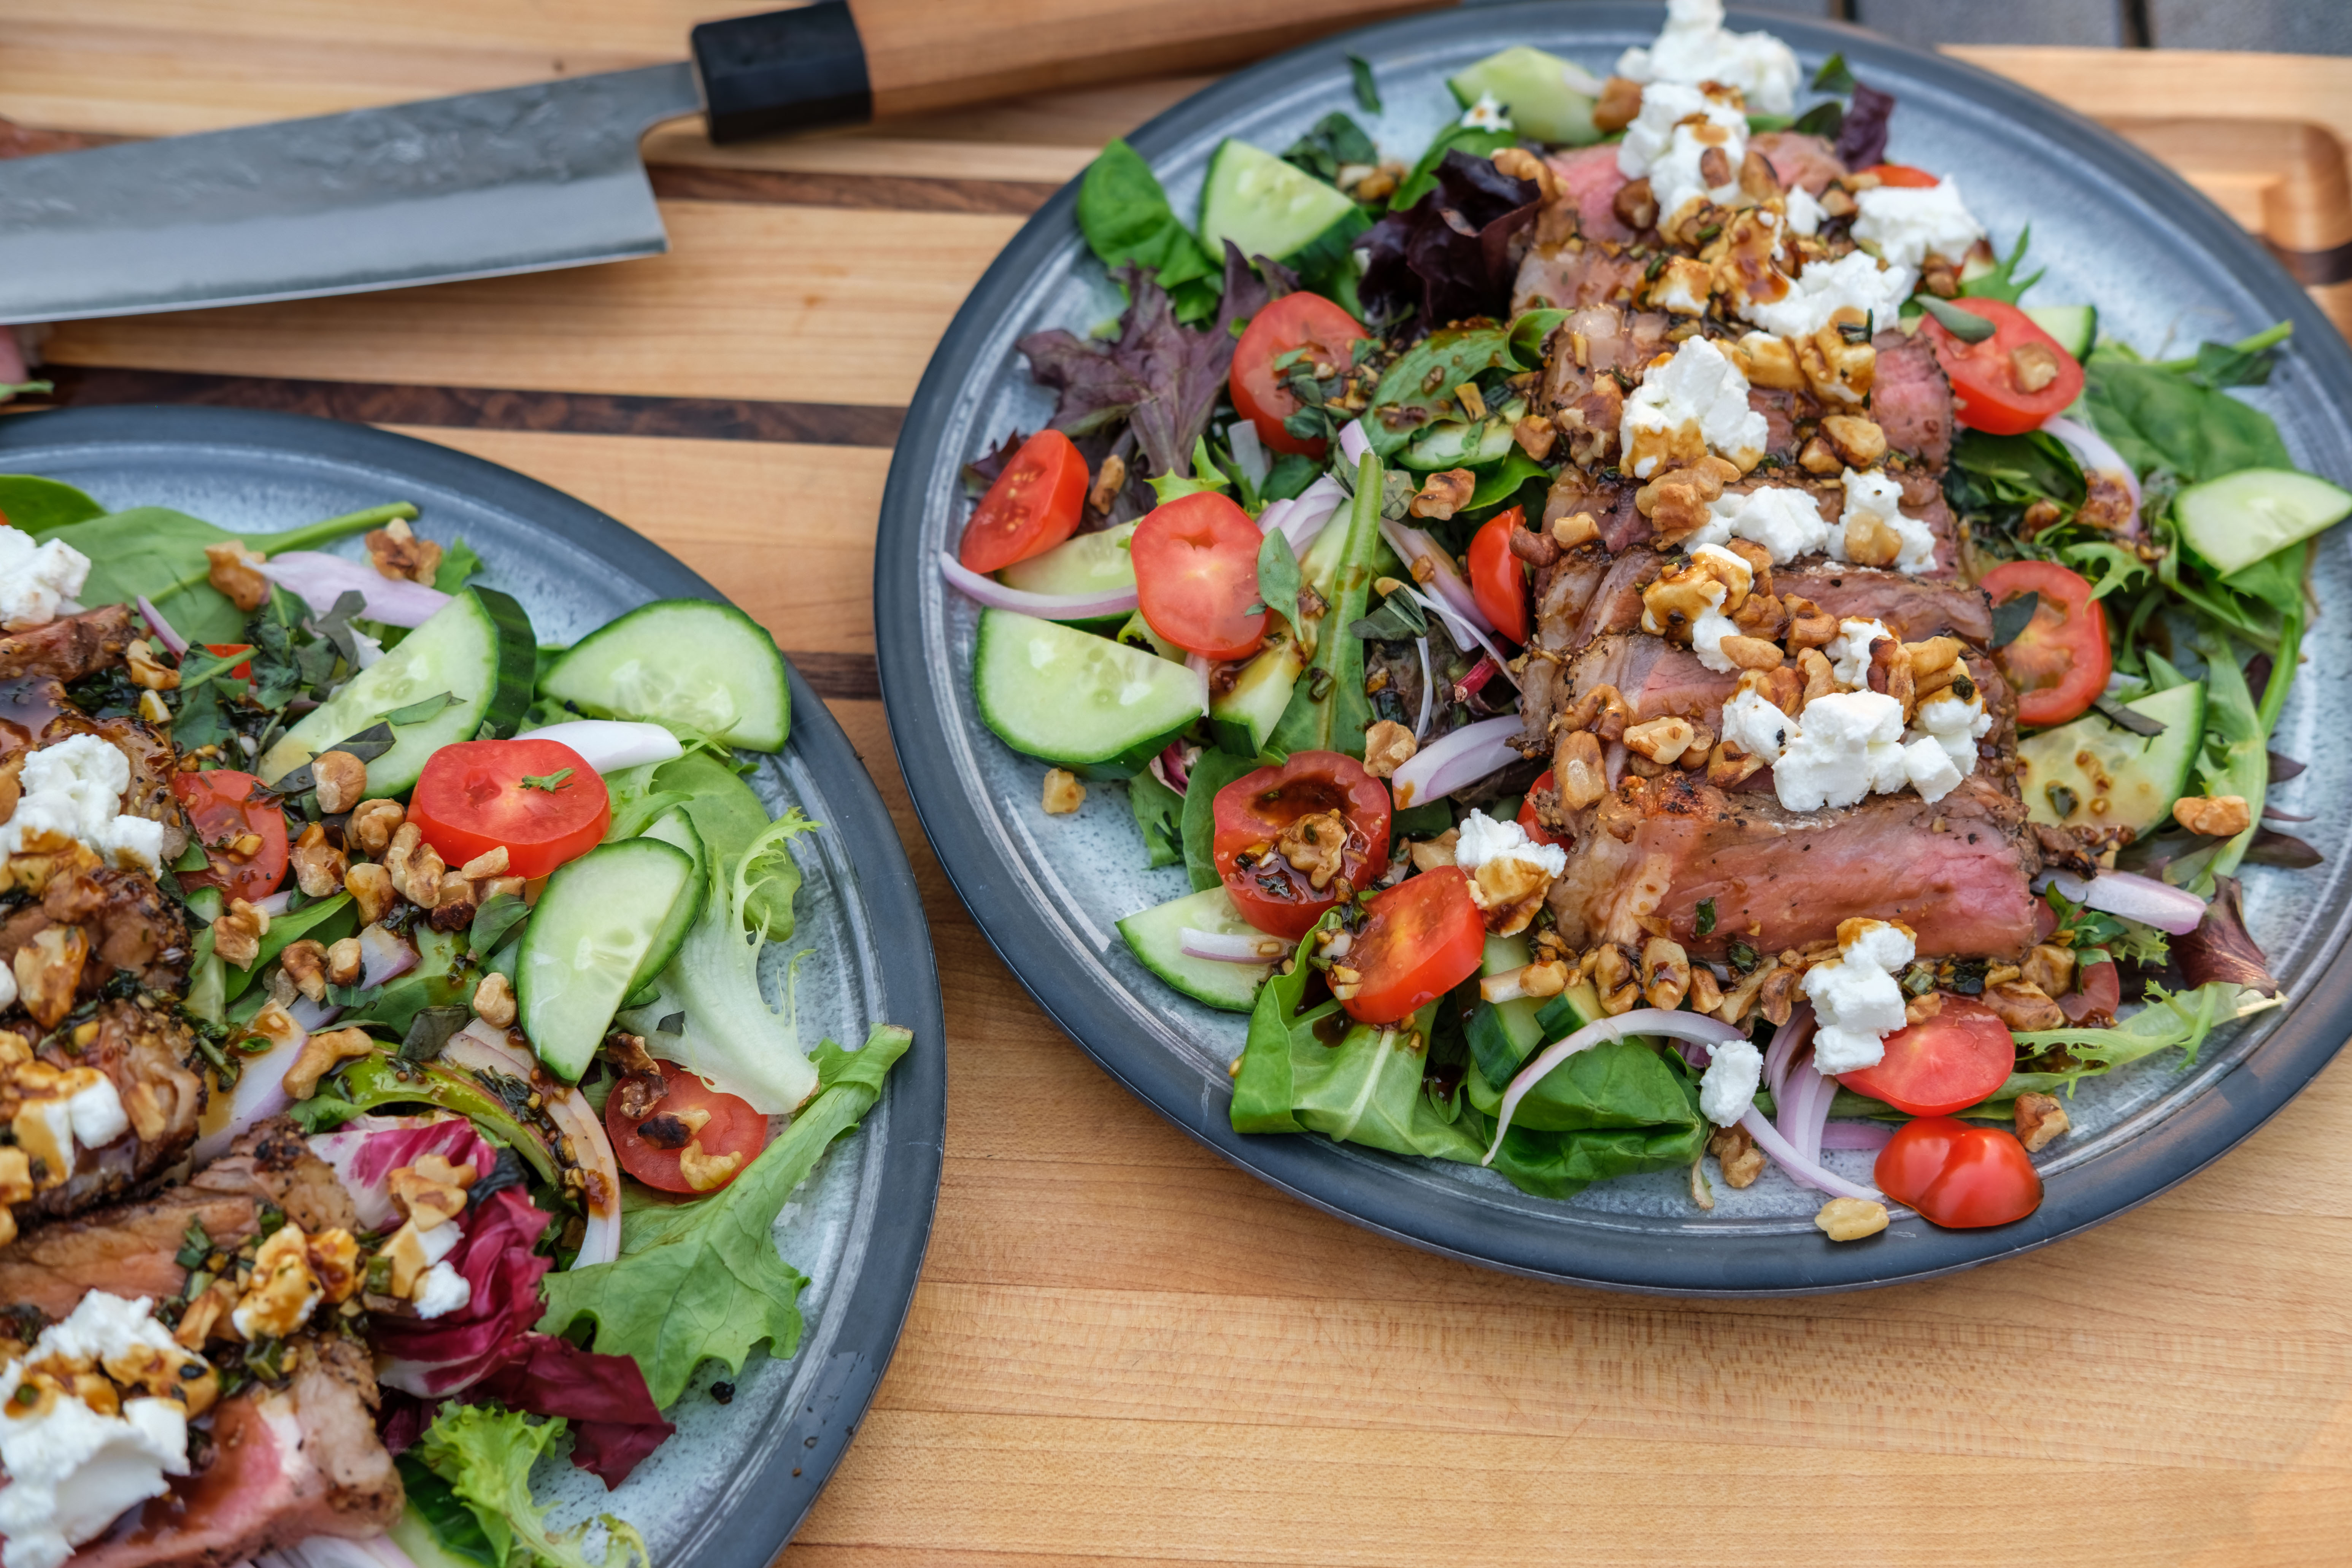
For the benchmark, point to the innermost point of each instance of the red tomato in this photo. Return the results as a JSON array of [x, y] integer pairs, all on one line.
[[223, 812], [243, 671], [1497, 580], [1034, 505], [2059, 663], [1196, 575], [1309, 322], [1254, 810], [1948, 1063], [538, 798], [1424, 938], [1902, 174], [1960, 1176], [1530, 823], [1987, 393], [734, 1127]]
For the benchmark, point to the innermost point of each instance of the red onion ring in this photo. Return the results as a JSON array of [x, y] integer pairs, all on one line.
[[1464, 757], [2090, 450], [1787, 1041], [1810, 1171], [1861, 1135], [1045, 606], [1229, 947], [479, 1045], [1300, 519], [2134, 897], [319, 579], [382, 956], [1428, 690], [162, 628], [1676, 1025], [1411, 546]]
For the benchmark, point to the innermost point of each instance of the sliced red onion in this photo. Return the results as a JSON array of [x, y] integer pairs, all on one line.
[[1462, 758], [1354, 442], [1812, 1173], [1863, 1135], [1172, 767], [1413, 546], [1307, 516], [1045, 606], [2134, 897], [1249, 452], [2090, 450], [1463, 633], [609, 745], [260, 1094], [319, 579], [313, 1015], [1229, 947], [1787, 1041], [1804, 1108], [274, 904], [382, 956], [1677, 1026], [479, 1045], [1428, 690], [162, 628], [1202, 665]]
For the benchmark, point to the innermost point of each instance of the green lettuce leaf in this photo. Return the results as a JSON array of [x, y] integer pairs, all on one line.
[[1125, 216], [485, 1455], [2158, 417], [40, 507]]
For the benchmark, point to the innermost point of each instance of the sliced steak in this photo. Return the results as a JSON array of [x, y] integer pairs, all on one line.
[[1589, 183], [147, 1055], [1798, 159], [1911, 608], [70, 647], [1911, 400], [132, 928], [1573, 274]]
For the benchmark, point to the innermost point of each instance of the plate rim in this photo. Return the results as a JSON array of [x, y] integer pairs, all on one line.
[[810, 1441], [1597, 1254]]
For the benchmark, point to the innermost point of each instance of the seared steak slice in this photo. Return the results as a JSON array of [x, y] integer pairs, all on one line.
[[1798, 159], [131, 927], [1589, 180], [1563, 277], [146, 1054], [1911, 400], [1911, 608], [70, 647]]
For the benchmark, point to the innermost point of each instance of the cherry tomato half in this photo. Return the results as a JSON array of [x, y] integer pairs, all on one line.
[[1424, 937], [2013, 380], [1960, 1176], [538, 798], [243, 671], [733, 1129], [1196, 575], [1530, 823], [1499, 580], [2098, 991], [1902, 174], [1034, 505], [224, 814], [1309, 322], [2059, 663], [1945, 1064], [1254, 813]]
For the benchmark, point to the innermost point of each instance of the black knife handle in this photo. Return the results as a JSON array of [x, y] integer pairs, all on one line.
[[783, 70]]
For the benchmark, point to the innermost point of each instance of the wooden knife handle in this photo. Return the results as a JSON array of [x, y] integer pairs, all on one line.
[[838, 62]]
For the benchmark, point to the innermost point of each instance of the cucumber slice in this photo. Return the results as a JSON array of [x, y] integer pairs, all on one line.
[[1091, 563], [1532, 87], [1241, 718], [688, 663], [478, 648], [1274, 209], [2237, 519], [1156, 937], [1092, 705], [2103, 775], [1455, 444], [590, 932], [2076, 327], [1138, 633], [675, 829]]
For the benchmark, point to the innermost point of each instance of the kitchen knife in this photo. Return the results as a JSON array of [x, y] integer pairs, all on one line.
[[533, 177]]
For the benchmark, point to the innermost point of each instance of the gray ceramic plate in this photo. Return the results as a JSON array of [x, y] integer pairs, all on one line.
[[2165, 268], [729, 1489]]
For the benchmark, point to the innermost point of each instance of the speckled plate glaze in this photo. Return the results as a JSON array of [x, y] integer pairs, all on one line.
[[2164, 266], [730, 1488]]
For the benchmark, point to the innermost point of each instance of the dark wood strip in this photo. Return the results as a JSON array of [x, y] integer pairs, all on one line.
[[890, 193], [2315, 268], [488, 408], [840, 677]]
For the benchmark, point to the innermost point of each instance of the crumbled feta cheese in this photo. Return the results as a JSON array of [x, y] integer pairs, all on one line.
[[1487, 114], [1874, 495], [74, 789], [1955, 725], [1849, 651], [1785, 521], [1751, 723], [1483, 841], [1695, 402], [1728, 1087], [1910, 223], [1847, 745], [1682, 288], [444, 1290], [1856, 998], [96, 1110], [7, 987], [1824, 288], [1706, 638], [1667, 140], [44, 1130], [1695, 47], [37, 580], [73, 1471], [1805, 213], [1930, 768]]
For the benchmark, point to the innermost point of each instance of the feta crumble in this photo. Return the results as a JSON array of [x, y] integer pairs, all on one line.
[[1824, 288], [1728, 1087], [1848, 745], [1483, 841], [1487, 114], [73, 790], [444, 1290], [1695, 402], [1673, 134], [1849, 651], [1910, 223], [1752, 723], [1954, 725], [1693, 47], [1783, 520], [1875, 497], [95, 1111], [1856, 996], [37, 581], [1805, 213]]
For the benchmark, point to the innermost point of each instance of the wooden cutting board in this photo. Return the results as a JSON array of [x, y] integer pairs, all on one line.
[[1124, 1349]]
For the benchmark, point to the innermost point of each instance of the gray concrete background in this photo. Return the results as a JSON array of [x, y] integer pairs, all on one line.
[[2282, 27]]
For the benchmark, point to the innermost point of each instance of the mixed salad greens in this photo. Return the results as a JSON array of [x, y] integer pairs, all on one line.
[[1318, 552]]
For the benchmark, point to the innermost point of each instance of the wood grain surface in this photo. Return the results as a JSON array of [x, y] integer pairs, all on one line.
[[1124, 1349]]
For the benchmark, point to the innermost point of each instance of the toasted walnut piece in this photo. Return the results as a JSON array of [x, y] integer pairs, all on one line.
[[1933, 656], [1535, 980], [398, 552], [232, 572], [1766, 361], [1619, 104], [1430, 854], [334, 1257], [428, 1199], [1837, 201], [2050, 968], [344, 962], [1635, 205], [490, 862], [454, 902], [1062, 792], [1818, 458], [1859, 441], [1837, 369], [1388, 746], [48, 969], [16, 1176], [318, 865], [1706, 990], [341, 780], [1778, 997], [1757, 182], [2032, 367], [1601, 710], [1522, 164], [370, 886], [1577, 528], [2213, 815], [1666, 973], [1609, 968], [405, 1252], [1316, 843], [1734, 1150], [139, 660], [1871, 540], [2040, 513], [494, 1001], [2039, 1119], [1662, 741], [2023, 1006], [1109, 480], [1695, 755], [279, 1298], [372, 824], [1810, 625], [1728, 764], [321, 1055], [1851, 1219], [1683, 281], [305, 963], [1444, 494], [1577, 770], [1534, 434], [1752, 653], [204, 1315], [704, 1171]]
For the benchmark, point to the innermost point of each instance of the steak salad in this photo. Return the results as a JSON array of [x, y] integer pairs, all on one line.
[[388, 1092], [1649, 641]]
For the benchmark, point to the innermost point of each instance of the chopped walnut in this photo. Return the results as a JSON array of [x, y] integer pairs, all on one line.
[[305, 963], [1871, 540], [494, 1001], [1062, 793], [47, 969], [334, 1257], [1706, 990], [1728, 764], [372, 824], [2032, 367], [1428, 854], [1677, 502], [1734, 1150], [341, 780], [1522, 164], [415, 866], [399, 554], [1919, 1009], [1618, 106], [139, 659], [1509, 893], [1817, 459], [1315, 845], [2039, 1119], [1766, 361], [318, 865], [344, 962], [432, 1191], [282, 1291], [1577, 528], [1636, 203], [1444, 494], [1388, 746], [1859, 442], [1109, 480], [2050, 968], [490, 862], [1662, 741], [1837, 369], [1752, 653], [321, 1055], [1666, 973], [705, 1172], [1536, 434], [2213, 815], [232, 572], [370, 886], [1851, 1219], [2023, 1006], [1578, 771]]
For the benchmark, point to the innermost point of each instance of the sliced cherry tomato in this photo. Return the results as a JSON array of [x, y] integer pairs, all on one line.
[[653, 1150], [1034, 505], [243, 671], [1960, 1176], [1498, 581], [1424, 937], [1307, 322], [2013, 380], [222, 811], [1196, 575], [1272, 882], [1945, 1064], [1902, 174], [538, 798], [2059, 663], [1530, 823], [2098, 989]]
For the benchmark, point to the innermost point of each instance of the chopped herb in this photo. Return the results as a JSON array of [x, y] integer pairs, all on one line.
[[194, 1247], [2010, 618], [1834, 77], [1705, 923], [1964, 325], [417, 712], [551, 782]]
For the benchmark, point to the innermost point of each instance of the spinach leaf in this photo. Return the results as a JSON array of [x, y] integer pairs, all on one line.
[[1367, 91], [1278, 575], [1334, 142], [2157, 417], [1328, 710], [1263, 1088], [1159, 817], [326, 921], [1396, 618], [1500, 482], [1212, 772], [496, 921], [1368, 1091], [1426, 375], [2000, 282], [1834, 77], [1125, 216], [1290, 477], [40, 506]]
